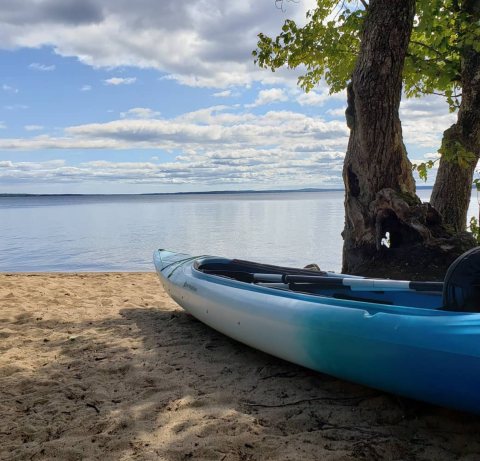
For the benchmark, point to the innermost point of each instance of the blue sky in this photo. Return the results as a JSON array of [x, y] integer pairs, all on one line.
[[115, 96]]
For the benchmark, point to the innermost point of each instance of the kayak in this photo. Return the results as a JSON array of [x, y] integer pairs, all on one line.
[[416, 339]]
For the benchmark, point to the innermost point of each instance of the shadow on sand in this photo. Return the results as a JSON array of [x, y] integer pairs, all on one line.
[[154, 383]]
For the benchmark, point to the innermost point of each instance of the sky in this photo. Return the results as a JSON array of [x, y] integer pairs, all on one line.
[[116, 96]]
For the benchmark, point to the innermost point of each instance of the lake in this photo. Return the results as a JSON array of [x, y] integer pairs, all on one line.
[[120, 233]]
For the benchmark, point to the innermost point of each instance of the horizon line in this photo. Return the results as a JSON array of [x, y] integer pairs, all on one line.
[[214, 192]]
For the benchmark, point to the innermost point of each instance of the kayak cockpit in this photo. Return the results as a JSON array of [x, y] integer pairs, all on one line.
[[427, 295]]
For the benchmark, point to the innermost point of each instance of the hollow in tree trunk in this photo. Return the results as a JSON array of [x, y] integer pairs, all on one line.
[[380, 193]]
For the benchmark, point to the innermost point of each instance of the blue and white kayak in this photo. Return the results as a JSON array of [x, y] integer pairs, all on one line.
[[416, 339]]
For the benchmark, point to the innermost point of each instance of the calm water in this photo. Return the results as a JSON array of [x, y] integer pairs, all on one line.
[[119, 233]]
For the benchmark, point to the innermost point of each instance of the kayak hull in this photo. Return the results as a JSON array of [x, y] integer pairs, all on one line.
[[428, 355]]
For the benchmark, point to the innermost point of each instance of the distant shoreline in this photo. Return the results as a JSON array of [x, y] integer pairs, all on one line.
[[216, 192]]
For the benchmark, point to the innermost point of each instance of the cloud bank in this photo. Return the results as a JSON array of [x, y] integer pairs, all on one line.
[[198, 43]]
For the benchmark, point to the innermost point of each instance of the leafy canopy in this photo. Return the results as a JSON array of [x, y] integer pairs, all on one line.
[[328, 46]]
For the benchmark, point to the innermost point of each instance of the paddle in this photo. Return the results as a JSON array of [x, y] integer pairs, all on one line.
[[352, 283], [331, 282]]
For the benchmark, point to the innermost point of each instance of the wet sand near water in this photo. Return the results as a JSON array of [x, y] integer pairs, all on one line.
[[106, 366]]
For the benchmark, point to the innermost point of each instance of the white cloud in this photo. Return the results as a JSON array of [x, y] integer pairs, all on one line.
[[424, 120], [318, 99], [140, 112], [222, 79], [269, 97], [199, 43], [218, 145], [226, 127], [340, 112], [215, 115], [29, 166], [120, 81], [85, 88], [16, 107], [312, 98], [222, 94], [259, 167], [42, 67], [214, 129], [9, 89], [33, 127]]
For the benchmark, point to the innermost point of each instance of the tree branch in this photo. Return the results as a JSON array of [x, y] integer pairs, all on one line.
[[365, 4], [340, 9], [428, 47], [420, 90]]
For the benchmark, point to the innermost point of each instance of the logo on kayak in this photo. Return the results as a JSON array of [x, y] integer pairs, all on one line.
[[190, 287]]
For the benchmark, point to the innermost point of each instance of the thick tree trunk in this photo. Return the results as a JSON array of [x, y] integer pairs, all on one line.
[[380, 193], [452, 191], [376, 157], [453, 184]]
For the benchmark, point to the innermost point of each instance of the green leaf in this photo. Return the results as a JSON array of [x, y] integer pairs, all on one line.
[[421, 170], [329, 49], [474, 228]]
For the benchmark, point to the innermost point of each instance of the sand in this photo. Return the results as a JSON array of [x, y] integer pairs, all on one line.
[[107, 367]]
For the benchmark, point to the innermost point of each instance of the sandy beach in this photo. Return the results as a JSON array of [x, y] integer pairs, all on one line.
[[106, 366]]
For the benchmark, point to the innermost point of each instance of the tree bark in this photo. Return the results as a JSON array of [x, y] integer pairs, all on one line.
[[380, 193], [453, 184], [452, 192], [376, 156]]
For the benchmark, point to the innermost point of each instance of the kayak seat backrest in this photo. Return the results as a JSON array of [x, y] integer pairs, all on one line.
[[461, 288]]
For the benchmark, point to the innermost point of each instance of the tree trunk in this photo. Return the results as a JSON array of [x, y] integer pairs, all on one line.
[[452, 191], [380, 193], [453, 184]]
